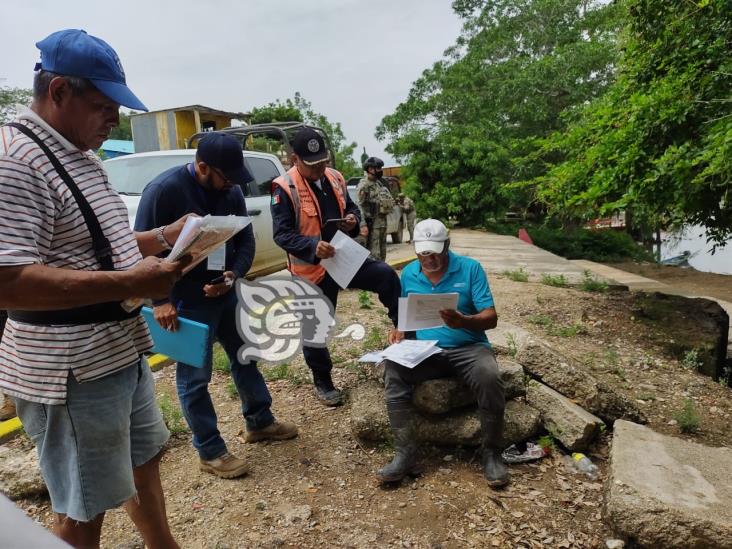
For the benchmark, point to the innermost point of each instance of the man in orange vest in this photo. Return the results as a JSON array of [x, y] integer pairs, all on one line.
[[303, 201]]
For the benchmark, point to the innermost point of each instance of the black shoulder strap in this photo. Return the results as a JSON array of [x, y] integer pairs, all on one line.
[[102, 247]]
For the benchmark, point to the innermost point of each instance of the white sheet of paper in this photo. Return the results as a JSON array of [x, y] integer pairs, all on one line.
[[217, 259], [346, 262], [422, 311], [409, 352]]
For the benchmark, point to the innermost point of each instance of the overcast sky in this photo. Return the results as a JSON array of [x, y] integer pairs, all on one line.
[[353, 59]]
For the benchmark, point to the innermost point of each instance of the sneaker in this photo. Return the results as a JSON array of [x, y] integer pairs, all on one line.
[[279, 430], [225, 466], [7, 410]]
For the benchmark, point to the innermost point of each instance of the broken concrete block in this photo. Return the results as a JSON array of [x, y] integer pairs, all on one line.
[[571, 379], [20, 475], [667, 492], [570, 424], [440, 396]]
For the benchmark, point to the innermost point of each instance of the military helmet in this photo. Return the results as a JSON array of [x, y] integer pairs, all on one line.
[[373, 162]]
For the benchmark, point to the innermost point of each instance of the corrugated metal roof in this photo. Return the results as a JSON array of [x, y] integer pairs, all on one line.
[[201, 109], [118, 145]]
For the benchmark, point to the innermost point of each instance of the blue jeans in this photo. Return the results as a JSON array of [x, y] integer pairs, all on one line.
[[192, 383]]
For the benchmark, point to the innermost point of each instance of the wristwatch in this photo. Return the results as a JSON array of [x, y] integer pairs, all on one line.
[[161, 238]]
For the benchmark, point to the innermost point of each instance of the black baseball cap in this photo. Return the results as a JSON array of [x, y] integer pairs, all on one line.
[[309, 145], [224, 152]]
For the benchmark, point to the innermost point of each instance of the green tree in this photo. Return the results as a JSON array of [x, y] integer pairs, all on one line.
[[10, 98], [300, 109], [659, 143], [471, 124]]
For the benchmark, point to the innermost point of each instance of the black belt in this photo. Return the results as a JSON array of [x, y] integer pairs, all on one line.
[[110, 311]]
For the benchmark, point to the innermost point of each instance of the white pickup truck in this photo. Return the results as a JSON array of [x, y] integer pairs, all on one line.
[[129, 175]]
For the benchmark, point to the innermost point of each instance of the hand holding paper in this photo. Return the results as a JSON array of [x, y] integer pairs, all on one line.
[[422, 311], [347, 259]]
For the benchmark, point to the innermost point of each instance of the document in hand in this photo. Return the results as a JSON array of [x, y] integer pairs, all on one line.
[[346, 262], [408, 352], [202, 235], [421, 311]]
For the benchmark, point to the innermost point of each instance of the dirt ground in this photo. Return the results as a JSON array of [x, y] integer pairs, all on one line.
[[687, 278], [318, 490]]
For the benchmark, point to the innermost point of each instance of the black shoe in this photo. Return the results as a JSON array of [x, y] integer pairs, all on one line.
[[494, 469], [326, 391], [401, 419]]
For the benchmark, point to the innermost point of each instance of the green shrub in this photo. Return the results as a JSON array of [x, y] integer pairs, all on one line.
[[231, 390], [519, 275], [687, 418], [364, 299], [559, 281], [542, 320], [691, 360], [569, 331], [591, 284], [172, 414]]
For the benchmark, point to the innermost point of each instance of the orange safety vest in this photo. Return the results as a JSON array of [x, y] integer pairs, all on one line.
[[308, 218]]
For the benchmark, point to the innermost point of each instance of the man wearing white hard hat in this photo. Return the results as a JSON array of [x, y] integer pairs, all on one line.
[[465, 351]]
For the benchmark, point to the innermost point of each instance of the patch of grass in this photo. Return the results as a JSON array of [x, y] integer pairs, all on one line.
[[544, 321], [647, 397], [231, 390], [512, 344], [547, 442], [691, 360], [591, 284], [688, 418], [364, 299], [572, 330], [618, 371], [220, 360], [375, 340], [276, 372], [172, 414], [519, 275], [558, 281], [611, 356]]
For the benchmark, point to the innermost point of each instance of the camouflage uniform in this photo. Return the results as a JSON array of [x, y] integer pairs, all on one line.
[[368, 201], [410, 211]]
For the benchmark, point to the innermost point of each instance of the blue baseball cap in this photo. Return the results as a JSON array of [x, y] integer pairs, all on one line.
[[73, 52], [225, 153]]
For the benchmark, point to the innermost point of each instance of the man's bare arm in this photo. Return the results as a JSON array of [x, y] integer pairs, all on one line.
[[487, 319]]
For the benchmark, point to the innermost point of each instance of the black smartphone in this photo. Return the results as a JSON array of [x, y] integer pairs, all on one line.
[[337, 222], [218, 280]]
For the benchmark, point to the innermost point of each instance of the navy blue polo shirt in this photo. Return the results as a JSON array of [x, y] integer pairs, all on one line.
[[466, 277]]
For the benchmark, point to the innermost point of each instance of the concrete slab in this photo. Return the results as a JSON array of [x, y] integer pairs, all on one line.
[[667, 492]]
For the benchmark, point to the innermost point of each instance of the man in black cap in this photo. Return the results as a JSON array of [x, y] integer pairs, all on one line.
[[212, 185], [303, 201]]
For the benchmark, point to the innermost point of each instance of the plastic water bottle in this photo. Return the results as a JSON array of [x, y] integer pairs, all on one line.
[[583, 464]]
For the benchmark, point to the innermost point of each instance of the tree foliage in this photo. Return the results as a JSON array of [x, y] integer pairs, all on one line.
[[472, 123], [10, 98], [659, 143], [124, 129], [300, 109]]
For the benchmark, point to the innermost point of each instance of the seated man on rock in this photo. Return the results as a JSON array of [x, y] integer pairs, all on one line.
[[465, 352]]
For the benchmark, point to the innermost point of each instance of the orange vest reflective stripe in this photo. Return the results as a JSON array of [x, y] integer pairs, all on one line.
[[308, 218]]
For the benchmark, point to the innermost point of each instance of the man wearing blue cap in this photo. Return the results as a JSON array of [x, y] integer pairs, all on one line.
[[71, 356], [212, 185]]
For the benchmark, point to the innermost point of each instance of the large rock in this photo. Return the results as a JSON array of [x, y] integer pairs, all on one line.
[[370, 422], [20, 475], [440, 396], [699, 325], [507, 339], [573, 426], [571, 379], [667, 492]]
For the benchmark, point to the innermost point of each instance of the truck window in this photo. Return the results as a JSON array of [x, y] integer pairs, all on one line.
[[263, 171]]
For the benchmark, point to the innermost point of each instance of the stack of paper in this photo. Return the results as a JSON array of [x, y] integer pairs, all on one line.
[[408, 352], [346, 262]]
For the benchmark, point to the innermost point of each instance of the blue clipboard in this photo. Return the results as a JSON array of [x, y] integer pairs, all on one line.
[[190, 344]]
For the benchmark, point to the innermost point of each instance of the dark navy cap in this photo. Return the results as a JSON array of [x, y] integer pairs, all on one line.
[[224, 152], [309, 145], [73, 52]]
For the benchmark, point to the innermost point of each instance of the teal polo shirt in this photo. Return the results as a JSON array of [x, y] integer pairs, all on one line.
[[466, 277]]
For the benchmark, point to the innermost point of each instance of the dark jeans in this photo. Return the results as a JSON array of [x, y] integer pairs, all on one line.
[[475, 364], [192, 383], [373, 276]]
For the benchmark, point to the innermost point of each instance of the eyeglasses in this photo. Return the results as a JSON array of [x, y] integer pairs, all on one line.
[[221, 175]]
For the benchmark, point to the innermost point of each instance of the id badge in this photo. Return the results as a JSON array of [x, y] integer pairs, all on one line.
[[217, 259]]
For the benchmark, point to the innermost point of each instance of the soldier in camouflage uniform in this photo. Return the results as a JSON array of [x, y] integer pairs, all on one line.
[[410, 212], [373, 205]]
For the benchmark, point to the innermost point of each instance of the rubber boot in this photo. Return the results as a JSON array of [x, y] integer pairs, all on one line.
[[494, 469], [401, 419], [325, 390]]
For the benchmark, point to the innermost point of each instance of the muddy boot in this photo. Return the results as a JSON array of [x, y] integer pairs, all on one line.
[[325, 390], [401, 419], [494, 470]]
